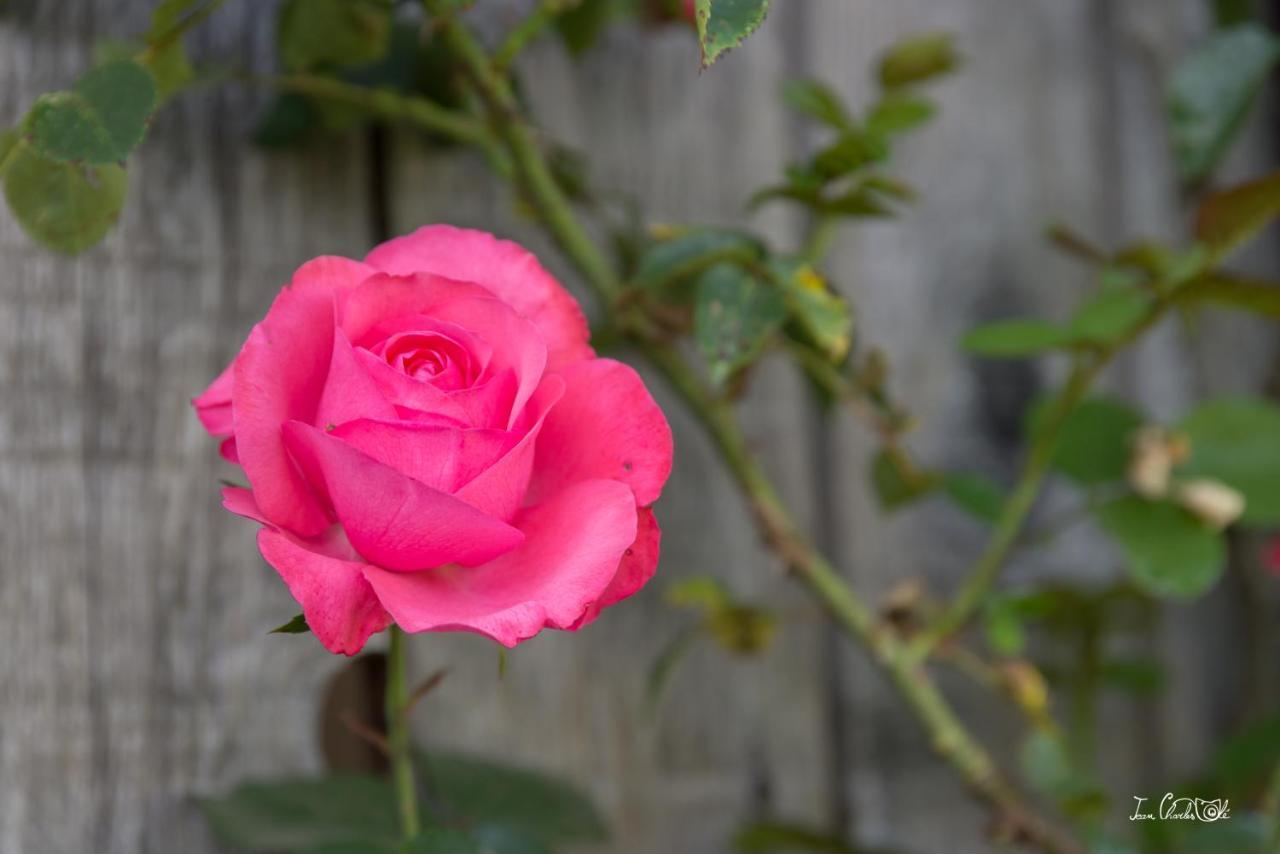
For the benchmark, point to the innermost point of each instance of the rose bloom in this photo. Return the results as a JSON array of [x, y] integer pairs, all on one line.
[[429, 439]]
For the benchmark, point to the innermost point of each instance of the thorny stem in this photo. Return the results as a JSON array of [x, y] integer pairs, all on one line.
[[397, 707], [948, 735]]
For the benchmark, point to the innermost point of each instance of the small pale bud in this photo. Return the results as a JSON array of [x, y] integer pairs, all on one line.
[[1211, 501], [1151, 463]]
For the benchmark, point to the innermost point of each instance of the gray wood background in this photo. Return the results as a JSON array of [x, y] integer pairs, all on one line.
[[134, 667]]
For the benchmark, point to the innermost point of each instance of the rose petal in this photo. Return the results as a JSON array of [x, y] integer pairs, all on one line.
[[572, 547], [240, 501], [213, 406], [406, 392], [393, 520], [279, 376], [331, 273], [349, 392], [606, 425], [338, 602], [506, 269], [635, 569], [443, 458]]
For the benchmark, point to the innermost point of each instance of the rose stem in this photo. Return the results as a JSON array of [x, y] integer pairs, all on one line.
[[398, 734]]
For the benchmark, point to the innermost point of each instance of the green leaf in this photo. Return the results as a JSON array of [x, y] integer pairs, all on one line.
[[500, 839], [976, 494], [1048, 765], [1228, 291], [1237, 441], [1170, 553], [734, 317], [1110, 315], [1245, 759], [101, 121], [723, 24], [333, 33], [296, 626], [743, 629], [819, 101], [1002, 625], [852, 151], [1141, 676], [1013, 338], [581, 25], [671, 262], [297, 814], [1211, 91], [704, 593], [1229, 219], [466, 790], [1092, 447], [897, 482], [821, 314], [897, 113], [918, 59], [769, 836], [66, 207]]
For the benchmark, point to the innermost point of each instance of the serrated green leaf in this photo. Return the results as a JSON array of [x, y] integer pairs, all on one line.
[[297, 814], [66, 207], [1228, 291], [333, 33], [1230, 218], [1092, 447], [689, 253], [1013, 338], [101, 121], [819, 101], [976, 494], [296, 626], [1237, 441], [734, 317], [898, 113], [1109, 316], [1170, 553], [1211, 91], [473, 791], [918, 59], [822, 315], [723, 24]]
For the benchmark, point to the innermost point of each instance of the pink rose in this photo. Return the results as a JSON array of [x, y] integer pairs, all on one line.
[[430, 439]]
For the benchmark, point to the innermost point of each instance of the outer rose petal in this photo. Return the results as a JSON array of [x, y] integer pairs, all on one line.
[[331, 273], [279, 377], [213, 406], [391, 519], [339, 604], [507, 269], [635, 569], [606, 425], [573, 543]]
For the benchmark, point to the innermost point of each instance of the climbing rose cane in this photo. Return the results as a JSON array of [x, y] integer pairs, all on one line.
[[429, 439]]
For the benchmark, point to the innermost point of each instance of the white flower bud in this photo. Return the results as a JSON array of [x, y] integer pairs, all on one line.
[[1151, 463], [1211, 501]]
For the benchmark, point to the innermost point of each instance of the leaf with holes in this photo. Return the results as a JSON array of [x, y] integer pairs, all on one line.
[[724, 24], [1170, 553], [1211, 91], [66, 207], [734, 317], [100, 121]]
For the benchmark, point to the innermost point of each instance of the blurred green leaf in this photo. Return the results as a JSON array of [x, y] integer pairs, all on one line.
[[1228, 291], [66, 207], [819, 101], [743, 629], [1227, 13], [297, 814], [580, 25], [1092, 447], [1108, 316], [1211, 91], [1237, 441], [724, 24], [899, 113], [692, 251], [469, 791], [296, 626], [765, 837], [976, 494], [734, 317], [821, 314], [1002, 625], [333, 33], [1012, 338], [918, 59], [1245, 760], [1049, 766], [896, 480], [1230, 218], [852, 151], [704, 593], [1170, 553], [100, 121], [1140, 676], [288, 120]]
